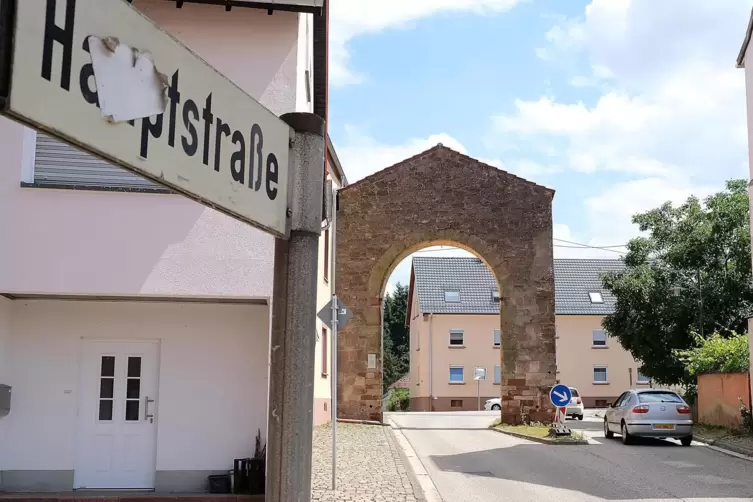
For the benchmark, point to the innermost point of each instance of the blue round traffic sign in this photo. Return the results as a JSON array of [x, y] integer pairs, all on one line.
[[560, 395]]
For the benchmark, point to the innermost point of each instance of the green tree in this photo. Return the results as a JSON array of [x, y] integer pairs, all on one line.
[[717, 354], [396, 341], [690, 273]]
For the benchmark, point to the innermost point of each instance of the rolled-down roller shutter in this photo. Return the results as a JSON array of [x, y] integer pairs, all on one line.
[[60, 164]]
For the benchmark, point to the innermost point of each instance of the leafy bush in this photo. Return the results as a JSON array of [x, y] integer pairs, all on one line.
[[399, 400], [717, 354], [747, 418]]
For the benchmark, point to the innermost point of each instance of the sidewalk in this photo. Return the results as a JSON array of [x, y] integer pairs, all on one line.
[[370, 467], [721, 438]]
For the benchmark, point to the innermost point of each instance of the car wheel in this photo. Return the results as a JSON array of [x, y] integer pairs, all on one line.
[[626, 437], [607, 433], [496, 407], [580, 417], [686, 441]]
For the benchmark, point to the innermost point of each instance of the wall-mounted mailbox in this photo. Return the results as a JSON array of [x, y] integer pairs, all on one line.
[[4, 400]]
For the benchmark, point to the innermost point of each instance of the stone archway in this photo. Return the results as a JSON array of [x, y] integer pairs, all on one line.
[[443, 196]]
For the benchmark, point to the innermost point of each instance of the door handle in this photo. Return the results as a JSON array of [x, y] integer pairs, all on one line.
[[147, 415]]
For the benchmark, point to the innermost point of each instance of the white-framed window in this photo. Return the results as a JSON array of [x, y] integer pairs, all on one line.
[[600, 375], [643, 379], [452, 296], [497, 374], [457, 337], [495, 296], [456, 374], [497, 338], [598, 338], [596, 297]]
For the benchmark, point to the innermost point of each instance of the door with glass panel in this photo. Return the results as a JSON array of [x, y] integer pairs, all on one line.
[[117, 403]]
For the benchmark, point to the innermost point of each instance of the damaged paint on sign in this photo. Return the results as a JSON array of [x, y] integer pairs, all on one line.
[[129, 85]]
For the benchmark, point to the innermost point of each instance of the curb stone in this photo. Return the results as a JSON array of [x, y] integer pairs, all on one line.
[[425, 491], [726, 449], [542, 440]]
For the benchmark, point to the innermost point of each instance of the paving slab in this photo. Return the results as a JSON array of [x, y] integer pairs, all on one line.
[[370, 466]]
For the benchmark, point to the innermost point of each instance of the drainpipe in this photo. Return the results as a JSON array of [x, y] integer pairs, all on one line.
[[431, 362]]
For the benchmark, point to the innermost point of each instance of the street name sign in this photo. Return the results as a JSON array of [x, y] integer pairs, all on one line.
[[560, 395], [343, 314], [206, 138]]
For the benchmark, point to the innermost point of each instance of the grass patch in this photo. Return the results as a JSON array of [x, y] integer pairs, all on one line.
[[540, 431], [713, 432]]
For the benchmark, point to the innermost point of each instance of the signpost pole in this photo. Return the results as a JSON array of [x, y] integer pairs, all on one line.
[[293, 344], [335, 326], [478, 394]]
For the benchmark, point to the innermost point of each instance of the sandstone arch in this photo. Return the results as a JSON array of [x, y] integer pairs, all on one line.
[[443, 197]]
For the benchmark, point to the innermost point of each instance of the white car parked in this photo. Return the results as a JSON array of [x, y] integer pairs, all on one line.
[[574, 409], [493, 404]]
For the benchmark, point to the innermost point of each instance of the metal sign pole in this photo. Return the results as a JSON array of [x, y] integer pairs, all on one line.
[[293, 348], [335, 326], [478, 394]]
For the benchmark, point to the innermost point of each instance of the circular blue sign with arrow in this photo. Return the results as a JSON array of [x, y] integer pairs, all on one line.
[[560, 395]]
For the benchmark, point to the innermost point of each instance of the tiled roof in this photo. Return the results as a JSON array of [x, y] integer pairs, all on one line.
[[402, 383], [469, 276], [573, 281]]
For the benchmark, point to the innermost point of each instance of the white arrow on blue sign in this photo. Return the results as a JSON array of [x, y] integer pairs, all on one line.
[[560, 395]]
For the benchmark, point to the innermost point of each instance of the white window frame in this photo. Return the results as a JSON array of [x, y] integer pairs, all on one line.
[[606, 374], [494, 338], [449, 375], [456, 332], [595, 345], [644, 381], [497, 374], [596, 297], [451, 292]]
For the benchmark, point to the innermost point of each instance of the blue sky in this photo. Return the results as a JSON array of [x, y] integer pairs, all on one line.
[[619, 105]]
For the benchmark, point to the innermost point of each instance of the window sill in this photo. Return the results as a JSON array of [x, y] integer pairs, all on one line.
[[456, 346], [456, 383], [599, 346], [497, 346], [642, 383], [601, 383], [496, 383], [66, 186]]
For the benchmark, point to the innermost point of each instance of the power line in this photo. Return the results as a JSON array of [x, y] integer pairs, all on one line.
[[578, 244], [571, 245]]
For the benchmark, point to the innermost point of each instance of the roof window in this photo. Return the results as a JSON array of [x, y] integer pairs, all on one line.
[[495, 296], [452, 296], [596, 297]]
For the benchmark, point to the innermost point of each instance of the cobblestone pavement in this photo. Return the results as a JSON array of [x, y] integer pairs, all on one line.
[[369, 466]]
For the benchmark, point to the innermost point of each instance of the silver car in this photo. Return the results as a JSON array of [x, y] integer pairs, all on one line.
[[649, 413]]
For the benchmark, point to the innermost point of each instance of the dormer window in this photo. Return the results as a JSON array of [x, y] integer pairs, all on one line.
[[596, 297], [452, 296], [495, 296]]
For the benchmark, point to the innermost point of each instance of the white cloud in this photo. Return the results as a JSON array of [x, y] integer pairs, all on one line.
[[670, 118], [351, 18]]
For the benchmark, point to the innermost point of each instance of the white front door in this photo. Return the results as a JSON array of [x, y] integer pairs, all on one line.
[[117, 403]]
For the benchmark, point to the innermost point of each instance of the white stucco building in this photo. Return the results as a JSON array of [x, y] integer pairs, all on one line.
[[134, 323]]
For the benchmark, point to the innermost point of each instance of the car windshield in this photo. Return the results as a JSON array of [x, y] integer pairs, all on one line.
[[659, 397], [574, 392]]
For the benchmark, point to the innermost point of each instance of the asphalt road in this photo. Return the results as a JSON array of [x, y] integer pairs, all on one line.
[[469, 463]]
